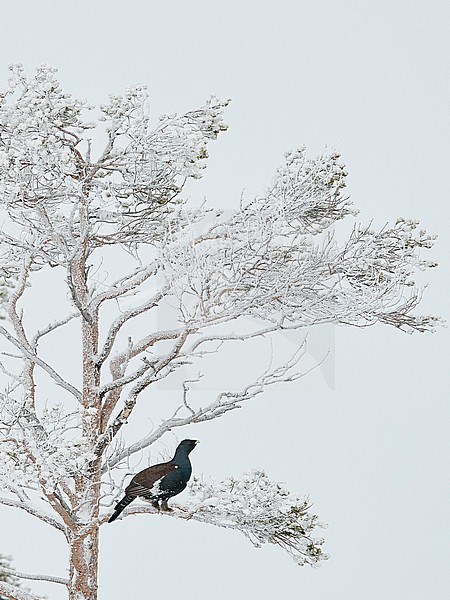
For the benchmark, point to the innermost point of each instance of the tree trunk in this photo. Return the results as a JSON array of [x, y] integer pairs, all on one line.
[[84, 536], [83, 582], [84, 542]]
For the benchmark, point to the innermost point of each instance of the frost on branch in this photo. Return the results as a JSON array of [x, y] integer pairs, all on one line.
[[374, 258], [151, 166], [277, 258], [59, 193], [39, 457], [39, 133], [308, 192], [5, 576], [8, 280], [10, 584], [379, 267], [263, 510]]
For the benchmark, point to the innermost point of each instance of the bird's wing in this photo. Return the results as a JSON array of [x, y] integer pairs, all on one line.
[[148, 479]]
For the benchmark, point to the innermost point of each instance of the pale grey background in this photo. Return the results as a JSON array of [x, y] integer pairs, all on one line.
[[371, 80]]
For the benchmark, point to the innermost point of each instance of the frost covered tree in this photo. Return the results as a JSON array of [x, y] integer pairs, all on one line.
[[96, 206]]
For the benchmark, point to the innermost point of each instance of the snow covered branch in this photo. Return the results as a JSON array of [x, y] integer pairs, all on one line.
[[40, 514], [35, 359], [52, 327], [225, 402], [14, 593], [123, 319], [258, 507], [38, 577]]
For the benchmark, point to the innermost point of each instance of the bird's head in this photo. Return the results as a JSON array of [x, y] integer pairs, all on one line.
[[187, 445]]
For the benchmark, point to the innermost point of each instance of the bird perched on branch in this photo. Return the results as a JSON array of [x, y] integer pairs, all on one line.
[[160, 482]]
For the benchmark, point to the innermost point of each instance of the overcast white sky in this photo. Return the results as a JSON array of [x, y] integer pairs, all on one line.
[[369, 79]]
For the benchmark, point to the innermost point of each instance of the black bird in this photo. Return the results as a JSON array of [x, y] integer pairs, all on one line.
[[160, 482]]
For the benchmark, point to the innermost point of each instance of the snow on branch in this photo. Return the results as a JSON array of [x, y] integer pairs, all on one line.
[[261, 509], [59, 194], [39, 456], [277, 258], [162, 158], [274, 258], [380, 267], [37, 577], [308, 192], [11, 592], [34, 358], [40, 131], [32, 510], [9, 275], [51, 327], [224, 402]]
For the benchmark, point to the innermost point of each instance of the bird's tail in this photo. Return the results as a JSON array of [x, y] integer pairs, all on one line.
[[120, 506]]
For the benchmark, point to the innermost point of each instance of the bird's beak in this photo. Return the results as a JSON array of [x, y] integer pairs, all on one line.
[[197, 442]]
